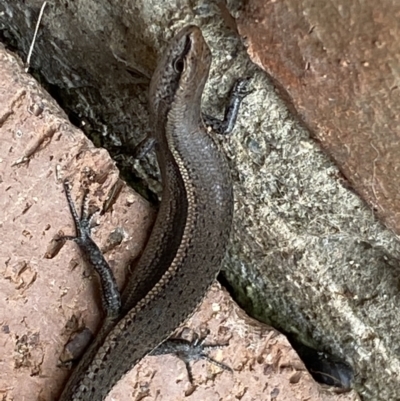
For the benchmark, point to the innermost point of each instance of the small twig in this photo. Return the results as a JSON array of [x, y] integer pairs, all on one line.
[[28, 60]]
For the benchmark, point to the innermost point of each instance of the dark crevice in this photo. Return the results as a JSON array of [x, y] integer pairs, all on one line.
[[68, 99]]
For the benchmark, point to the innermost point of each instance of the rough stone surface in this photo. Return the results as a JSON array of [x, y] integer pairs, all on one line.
[[337, 66], [307, 255], [265, 367], [338, 63], [44, 296]]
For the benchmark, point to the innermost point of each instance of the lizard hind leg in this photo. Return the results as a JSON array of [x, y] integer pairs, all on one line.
[[189, 351]]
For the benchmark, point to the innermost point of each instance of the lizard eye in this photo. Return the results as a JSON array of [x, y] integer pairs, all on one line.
[[179, 62], [179, 65]]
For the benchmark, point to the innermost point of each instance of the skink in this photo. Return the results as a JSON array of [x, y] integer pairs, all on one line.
[[185, 249]]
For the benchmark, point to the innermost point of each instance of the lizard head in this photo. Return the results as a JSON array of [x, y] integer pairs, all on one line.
[[181, 73]]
